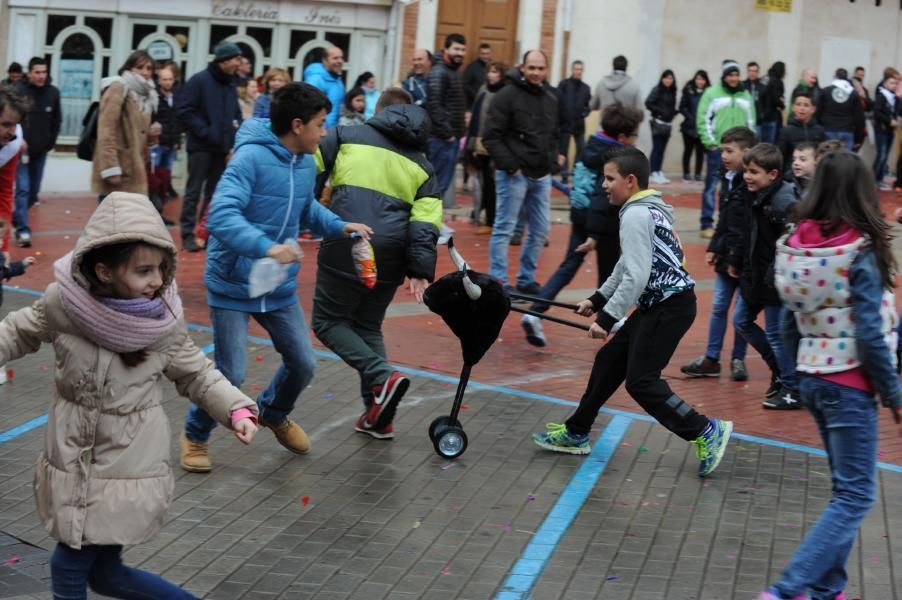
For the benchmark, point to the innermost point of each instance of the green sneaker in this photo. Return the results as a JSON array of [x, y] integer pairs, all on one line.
[[558, 439], [710, 446]]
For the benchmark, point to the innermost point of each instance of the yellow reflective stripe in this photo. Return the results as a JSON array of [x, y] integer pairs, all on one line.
[[320, 164], [427, 210], [378, 169]]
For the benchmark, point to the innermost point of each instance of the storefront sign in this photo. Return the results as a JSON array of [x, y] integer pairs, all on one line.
[[317, 15], [774, 5], [251, 11], [160, 50]]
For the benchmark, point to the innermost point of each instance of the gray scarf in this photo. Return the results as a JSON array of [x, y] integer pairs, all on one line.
[[143, 91]]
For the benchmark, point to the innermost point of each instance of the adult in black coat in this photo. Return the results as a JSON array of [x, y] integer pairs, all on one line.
[[446, 105], [755, 86], [40, 128], [576, 96], [661, 103], [802, 127], [692, 93], [839, 110], [208, 110], [474, 74], [886, 116], [772, 103], [523, 137]]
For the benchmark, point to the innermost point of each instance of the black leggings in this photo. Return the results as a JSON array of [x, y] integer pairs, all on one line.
[[690, 144]]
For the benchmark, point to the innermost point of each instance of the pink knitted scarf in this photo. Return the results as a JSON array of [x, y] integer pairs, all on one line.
[[116, 331]]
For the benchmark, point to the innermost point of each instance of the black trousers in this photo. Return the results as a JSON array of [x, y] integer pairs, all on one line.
[[636, 355], [204, 171], [487, 173], [690, 145]]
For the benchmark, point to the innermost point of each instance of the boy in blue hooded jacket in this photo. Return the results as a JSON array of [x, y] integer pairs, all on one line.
[[251, 217]]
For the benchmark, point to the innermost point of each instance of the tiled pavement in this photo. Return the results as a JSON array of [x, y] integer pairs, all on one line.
[[393, 520]]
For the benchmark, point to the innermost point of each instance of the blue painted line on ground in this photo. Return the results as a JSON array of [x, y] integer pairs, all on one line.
[[519, 393], [11, 434], [538, 551]]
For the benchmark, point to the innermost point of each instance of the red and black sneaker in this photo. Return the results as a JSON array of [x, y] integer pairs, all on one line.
[[386, 433], [385, 402]]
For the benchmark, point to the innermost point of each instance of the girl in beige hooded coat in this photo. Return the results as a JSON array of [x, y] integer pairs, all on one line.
[[115, 320]]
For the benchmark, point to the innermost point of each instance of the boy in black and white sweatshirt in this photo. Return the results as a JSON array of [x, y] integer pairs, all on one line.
[[651, 275]]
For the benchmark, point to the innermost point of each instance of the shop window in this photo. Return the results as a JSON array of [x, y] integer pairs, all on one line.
[[263, 35], [220, 32], [104, 28], [298, 39], [76, 81], [141, 31], [55, 24], [181, 34], [105, 67], [341, 40]]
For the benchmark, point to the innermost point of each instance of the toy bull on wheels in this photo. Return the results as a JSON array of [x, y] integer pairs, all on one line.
[[474, 305]]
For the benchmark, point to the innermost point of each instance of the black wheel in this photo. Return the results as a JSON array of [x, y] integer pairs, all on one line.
[[450, 442], [440, 423]]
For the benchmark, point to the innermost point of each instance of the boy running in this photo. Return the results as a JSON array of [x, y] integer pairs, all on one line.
[[650, 274]]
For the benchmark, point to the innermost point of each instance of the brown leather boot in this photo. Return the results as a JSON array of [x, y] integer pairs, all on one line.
[[195, 456], [290, 435]]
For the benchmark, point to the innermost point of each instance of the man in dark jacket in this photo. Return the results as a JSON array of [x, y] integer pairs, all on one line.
[[802, 127], [445, 103], [208, 110], [841, 113], [523, 138], [755, 87], [595, 222], [576, 96], [416, 83], [40, 129], [389, 185], [474, 74]]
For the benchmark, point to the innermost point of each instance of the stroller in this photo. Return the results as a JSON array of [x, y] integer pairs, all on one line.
[[474, 305]]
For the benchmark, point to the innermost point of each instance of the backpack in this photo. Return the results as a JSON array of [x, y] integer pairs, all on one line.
[[87, 141]]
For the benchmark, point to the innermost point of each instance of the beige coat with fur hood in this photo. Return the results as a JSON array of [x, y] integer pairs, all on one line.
[[104, 475], [122, 142]]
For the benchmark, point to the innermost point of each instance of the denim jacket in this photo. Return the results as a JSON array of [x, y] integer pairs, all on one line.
[[874, 355]]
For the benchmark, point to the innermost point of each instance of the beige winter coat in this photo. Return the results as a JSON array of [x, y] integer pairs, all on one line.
[[104, 475], [122, 142]]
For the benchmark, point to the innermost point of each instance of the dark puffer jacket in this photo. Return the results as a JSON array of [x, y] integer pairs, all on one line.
[[42, 126], [661, 103], [523, 132], [168, 119], [445, 99], [689, 108], [840, 110], [208, 110], [381, 177], [752, 240], [731, 206], [793, 134]]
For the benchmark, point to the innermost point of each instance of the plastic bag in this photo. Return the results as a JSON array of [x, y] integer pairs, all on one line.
[[267, 273], [364, 261]]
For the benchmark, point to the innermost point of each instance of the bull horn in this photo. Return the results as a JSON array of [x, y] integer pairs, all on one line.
[[458, 260], [473, 291]]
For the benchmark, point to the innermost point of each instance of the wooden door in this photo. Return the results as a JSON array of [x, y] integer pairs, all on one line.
[[493, 22]]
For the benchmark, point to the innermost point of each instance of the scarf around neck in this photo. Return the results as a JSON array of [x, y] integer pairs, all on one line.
[[116, 324], [143, 91]]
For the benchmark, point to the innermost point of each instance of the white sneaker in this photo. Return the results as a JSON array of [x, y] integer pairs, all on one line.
[[662, 178], [535, 333], [3, 376]]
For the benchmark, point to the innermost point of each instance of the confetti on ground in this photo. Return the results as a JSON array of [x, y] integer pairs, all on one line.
[[642, 449], [416, 524], [305, 500], [256, 388], [10, 373], [612, 578], [626, 444], [433, 366], [525, 531], [9, 562], [259, 359], [38, 253], [530, 498], [447, 466], [464, 406], [329, 395], [445, 571]]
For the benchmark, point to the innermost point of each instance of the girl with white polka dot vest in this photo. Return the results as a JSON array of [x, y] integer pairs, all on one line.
[[834, 273]]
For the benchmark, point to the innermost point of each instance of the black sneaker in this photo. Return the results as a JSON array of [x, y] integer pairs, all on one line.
[[190, 245], [702, 367], [530, 289], [738, 371], [785, 400], [511, 290], [775, 387]]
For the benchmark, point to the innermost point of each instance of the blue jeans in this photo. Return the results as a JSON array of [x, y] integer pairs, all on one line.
[[768, 343], [724, 289], [442, 154], [161, 156], [28, 186], [883, 143], [847, 139], [712, 177], [514, 192], [291, 339], [767, 130], [566, 271], [658, 145], [100, 567], [847, 420]]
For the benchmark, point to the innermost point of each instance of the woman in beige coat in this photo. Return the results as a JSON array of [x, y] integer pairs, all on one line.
[[115, 320], [124, 130]]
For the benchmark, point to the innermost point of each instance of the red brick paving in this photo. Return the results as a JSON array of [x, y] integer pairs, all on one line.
[[424, 342]]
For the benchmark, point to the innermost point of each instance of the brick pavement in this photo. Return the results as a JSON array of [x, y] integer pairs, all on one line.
[[393, 520]]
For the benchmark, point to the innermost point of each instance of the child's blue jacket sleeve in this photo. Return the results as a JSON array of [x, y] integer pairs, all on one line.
[[226, 219], [873, 353]]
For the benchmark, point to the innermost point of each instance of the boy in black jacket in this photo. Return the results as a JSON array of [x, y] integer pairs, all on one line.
[[594, 220], [802, 127], [733, 192], [752, 242]]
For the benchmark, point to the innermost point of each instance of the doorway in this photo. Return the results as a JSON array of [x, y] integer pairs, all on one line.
[[493, 22]]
